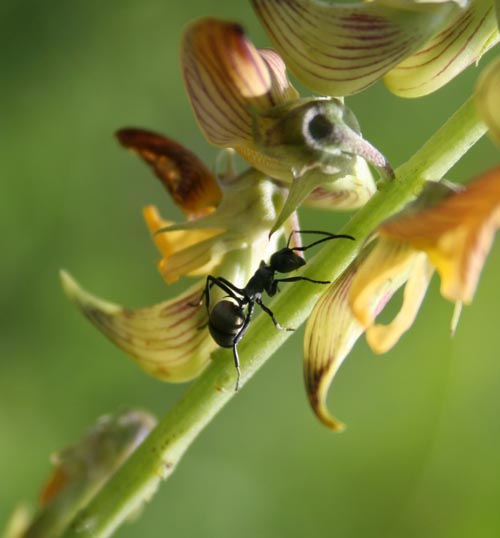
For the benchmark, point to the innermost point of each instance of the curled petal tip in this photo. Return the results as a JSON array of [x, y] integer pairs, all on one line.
[[82, 298], [324, 416], [164, 339], [331, 332]]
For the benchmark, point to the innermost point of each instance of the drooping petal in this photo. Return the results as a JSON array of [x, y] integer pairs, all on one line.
[[190, 183], [488, 98], [456, 234], [331, 332], [342, 48], [166, 340], [227, 78], [462, 41]]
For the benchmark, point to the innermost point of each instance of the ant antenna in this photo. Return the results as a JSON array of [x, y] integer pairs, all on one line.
[[327, 238]]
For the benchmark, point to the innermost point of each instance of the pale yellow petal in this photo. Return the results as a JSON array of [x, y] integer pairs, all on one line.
[[342, 48], [166, 340], [462, 41], [331, 332]]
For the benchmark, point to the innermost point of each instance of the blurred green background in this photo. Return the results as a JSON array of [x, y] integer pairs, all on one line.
[[421, 455]]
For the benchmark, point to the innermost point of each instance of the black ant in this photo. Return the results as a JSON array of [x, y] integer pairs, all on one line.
[[228, 320]]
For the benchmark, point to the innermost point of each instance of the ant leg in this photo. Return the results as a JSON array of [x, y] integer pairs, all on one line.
[[237, 365], [221, 283], [270, 313], [237, 340]]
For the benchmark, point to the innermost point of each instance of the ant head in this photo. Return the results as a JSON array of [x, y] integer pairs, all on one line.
[[286, 260]]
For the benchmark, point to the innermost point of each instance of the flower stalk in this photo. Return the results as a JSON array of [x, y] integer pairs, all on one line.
[[158, 456]]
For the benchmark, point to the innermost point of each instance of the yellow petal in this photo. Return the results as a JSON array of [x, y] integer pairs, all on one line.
[[488, 98], [381, 338], [384, 270], [184, 252], [331, 332], [464, 38], [190, 183], [166, 340], [456, 234], [342, 48], [227, 77]]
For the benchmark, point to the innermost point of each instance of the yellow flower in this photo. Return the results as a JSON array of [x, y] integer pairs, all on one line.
[[169, 340], [243, 99], [453, 237], [342, 48]]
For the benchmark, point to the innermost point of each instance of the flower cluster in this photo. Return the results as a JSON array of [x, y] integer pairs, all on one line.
[[308, 150]]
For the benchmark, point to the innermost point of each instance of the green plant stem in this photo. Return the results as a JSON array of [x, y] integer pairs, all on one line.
[[155, 460]]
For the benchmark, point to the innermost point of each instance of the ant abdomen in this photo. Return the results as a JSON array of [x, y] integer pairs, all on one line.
[[225, 322]]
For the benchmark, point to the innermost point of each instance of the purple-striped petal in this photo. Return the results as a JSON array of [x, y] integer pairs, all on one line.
[[461, 42], [227, 78], [166, 340], [340, 49]]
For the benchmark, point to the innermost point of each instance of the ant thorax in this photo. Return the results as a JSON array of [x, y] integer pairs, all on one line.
[[261, 281]]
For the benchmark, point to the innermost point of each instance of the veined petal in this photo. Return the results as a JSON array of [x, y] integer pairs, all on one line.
[[227, 78], [456, 234], [466, 36], [184, 252], [488, 97], [380, 337], [331, 332], [166, 340], [340, 49], [190, 183]]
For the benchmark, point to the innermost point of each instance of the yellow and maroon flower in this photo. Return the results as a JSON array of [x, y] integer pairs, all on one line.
[[453, 237], [243, 99], [168, 340]]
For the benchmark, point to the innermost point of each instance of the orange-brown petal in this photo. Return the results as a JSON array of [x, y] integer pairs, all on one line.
[[191, 184], [456, 234]]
